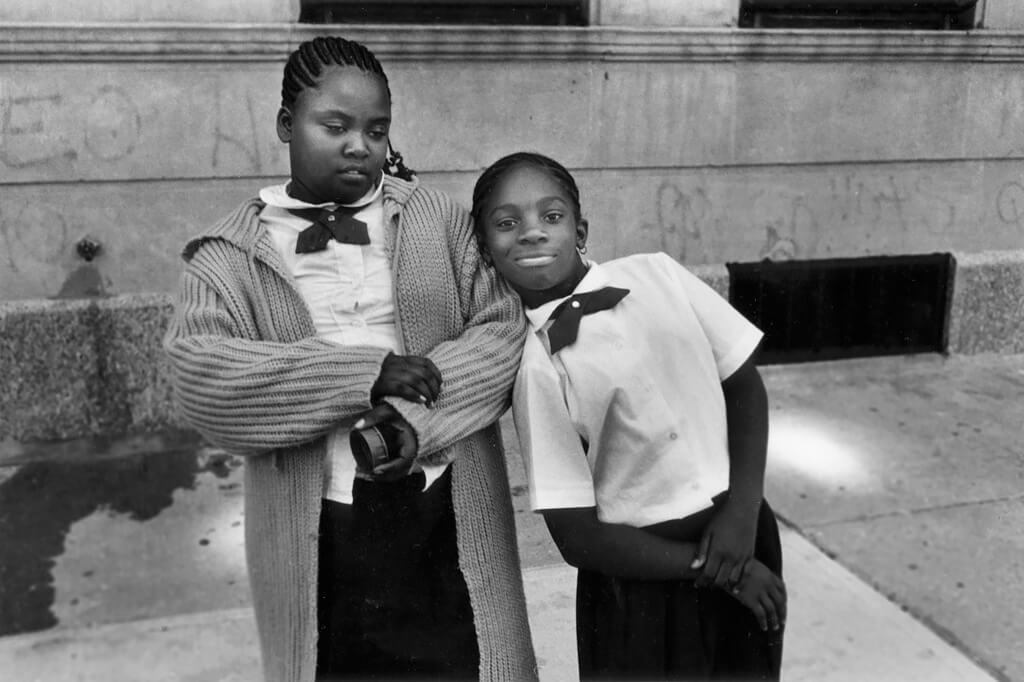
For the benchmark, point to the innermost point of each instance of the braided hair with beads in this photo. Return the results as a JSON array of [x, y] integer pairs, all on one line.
[[306, 64]]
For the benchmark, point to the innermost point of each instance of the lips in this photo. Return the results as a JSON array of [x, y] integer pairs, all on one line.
[[535, 260], [353, 171]]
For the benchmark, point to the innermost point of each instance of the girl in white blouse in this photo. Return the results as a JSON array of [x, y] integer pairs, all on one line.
[[642, 421]]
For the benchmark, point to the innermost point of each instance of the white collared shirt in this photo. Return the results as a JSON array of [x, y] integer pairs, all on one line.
[[349, 291], [631, 417]]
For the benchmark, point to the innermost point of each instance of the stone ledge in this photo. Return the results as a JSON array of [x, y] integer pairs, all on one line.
[[84, 367], [987, 307], [166, 42], [96, 368]]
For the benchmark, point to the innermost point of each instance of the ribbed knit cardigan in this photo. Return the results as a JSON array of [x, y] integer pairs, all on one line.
[[251, 374]]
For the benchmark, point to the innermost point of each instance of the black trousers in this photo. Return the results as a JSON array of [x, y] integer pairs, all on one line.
[[392, 603], [672, 630]]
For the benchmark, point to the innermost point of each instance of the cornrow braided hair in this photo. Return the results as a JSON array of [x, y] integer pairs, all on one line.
[[496, 171], [306, 64]]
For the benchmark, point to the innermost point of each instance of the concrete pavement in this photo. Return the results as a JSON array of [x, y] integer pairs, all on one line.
[[899, 481]]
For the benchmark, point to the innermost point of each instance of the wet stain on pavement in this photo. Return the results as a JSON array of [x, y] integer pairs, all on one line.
[[41, 500]]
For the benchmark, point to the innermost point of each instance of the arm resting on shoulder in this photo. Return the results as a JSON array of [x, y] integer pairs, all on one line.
[[477, 368]]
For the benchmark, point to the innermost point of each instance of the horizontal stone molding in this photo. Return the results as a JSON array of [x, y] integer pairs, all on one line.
[[158, 42]]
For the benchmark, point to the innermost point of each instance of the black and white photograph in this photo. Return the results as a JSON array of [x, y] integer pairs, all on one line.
[[511, 341]]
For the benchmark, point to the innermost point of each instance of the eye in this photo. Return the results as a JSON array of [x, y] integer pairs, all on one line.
[[377, 134], [505, 223], [335, 127], [552, 217]]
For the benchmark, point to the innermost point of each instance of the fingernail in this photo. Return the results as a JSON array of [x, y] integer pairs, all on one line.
[[360, 424], [423, 398], [695, 564]]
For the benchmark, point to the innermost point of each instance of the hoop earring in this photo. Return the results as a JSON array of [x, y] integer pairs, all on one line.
[[582, 249]]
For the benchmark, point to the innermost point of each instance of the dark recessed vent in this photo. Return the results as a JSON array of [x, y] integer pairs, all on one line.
[[928, 15], [846, 307]]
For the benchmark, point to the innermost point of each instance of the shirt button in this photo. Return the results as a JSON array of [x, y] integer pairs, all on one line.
[[673, 435], [575, 304]]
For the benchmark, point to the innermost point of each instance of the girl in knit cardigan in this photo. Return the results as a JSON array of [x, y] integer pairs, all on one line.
[[343, 299]]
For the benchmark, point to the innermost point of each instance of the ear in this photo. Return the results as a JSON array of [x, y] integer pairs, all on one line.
[[582, 231], [284, 125]]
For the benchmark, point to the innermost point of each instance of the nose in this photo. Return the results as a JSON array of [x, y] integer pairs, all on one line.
[[532, 231], [356, 146]]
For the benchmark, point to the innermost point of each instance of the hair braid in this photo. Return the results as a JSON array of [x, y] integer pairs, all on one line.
[[306, 64]]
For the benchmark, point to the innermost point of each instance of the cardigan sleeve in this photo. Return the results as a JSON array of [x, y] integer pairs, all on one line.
[[250, 396], [479, 366]]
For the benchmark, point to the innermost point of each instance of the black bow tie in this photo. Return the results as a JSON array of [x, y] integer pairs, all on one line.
[[567, 315], [327, 224]]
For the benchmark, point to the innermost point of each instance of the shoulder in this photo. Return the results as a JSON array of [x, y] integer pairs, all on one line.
[[641, 267], [240, 228], [427, 210], [437, 202], [414, 194]]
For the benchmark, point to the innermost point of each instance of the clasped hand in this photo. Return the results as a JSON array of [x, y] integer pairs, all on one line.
[[412, 377], [727, 545]]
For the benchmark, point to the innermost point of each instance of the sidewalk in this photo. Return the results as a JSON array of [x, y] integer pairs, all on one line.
[[839, 630], [907, 471]]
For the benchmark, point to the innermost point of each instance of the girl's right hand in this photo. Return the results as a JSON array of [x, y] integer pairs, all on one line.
[[412, 377], [763, 593]]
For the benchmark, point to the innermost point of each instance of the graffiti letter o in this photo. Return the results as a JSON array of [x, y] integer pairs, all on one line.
[[112, 124]]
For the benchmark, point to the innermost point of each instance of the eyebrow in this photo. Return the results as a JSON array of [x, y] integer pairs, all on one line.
[[514, 207], [348, 116]]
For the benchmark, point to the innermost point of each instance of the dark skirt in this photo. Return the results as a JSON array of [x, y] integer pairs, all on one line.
[[392, 601], [672, 630]]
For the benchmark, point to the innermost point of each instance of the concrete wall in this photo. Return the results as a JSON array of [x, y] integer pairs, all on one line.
[[664, 12], [1001, 14], [241, 11], [713, 145]]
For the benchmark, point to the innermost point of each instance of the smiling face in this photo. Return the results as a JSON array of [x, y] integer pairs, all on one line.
[[337, 136], [531, 232]]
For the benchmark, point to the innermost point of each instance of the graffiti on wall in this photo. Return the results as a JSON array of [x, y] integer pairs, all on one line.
[[810, 214], [33, 130], [679, 215], [62, 135], [1010, 203]]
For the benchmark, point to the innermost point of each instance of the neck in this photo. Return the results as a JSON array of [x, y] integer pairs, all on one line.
[[533, 298]]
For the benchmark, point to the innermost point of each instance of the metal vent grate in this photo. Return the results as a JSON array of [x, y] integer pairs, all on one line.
[[844, 308]]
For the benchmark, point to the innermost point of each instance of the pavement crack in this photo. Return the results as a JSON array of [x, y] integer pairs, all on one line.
[[915, 511]]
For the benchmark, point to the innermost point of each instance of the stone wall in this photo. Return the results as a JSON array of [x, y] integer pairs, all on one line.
[[714, 145]]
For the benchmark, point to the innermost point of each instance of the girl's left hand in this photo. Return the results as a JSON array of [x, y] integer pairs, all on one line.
[[727, 545]]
